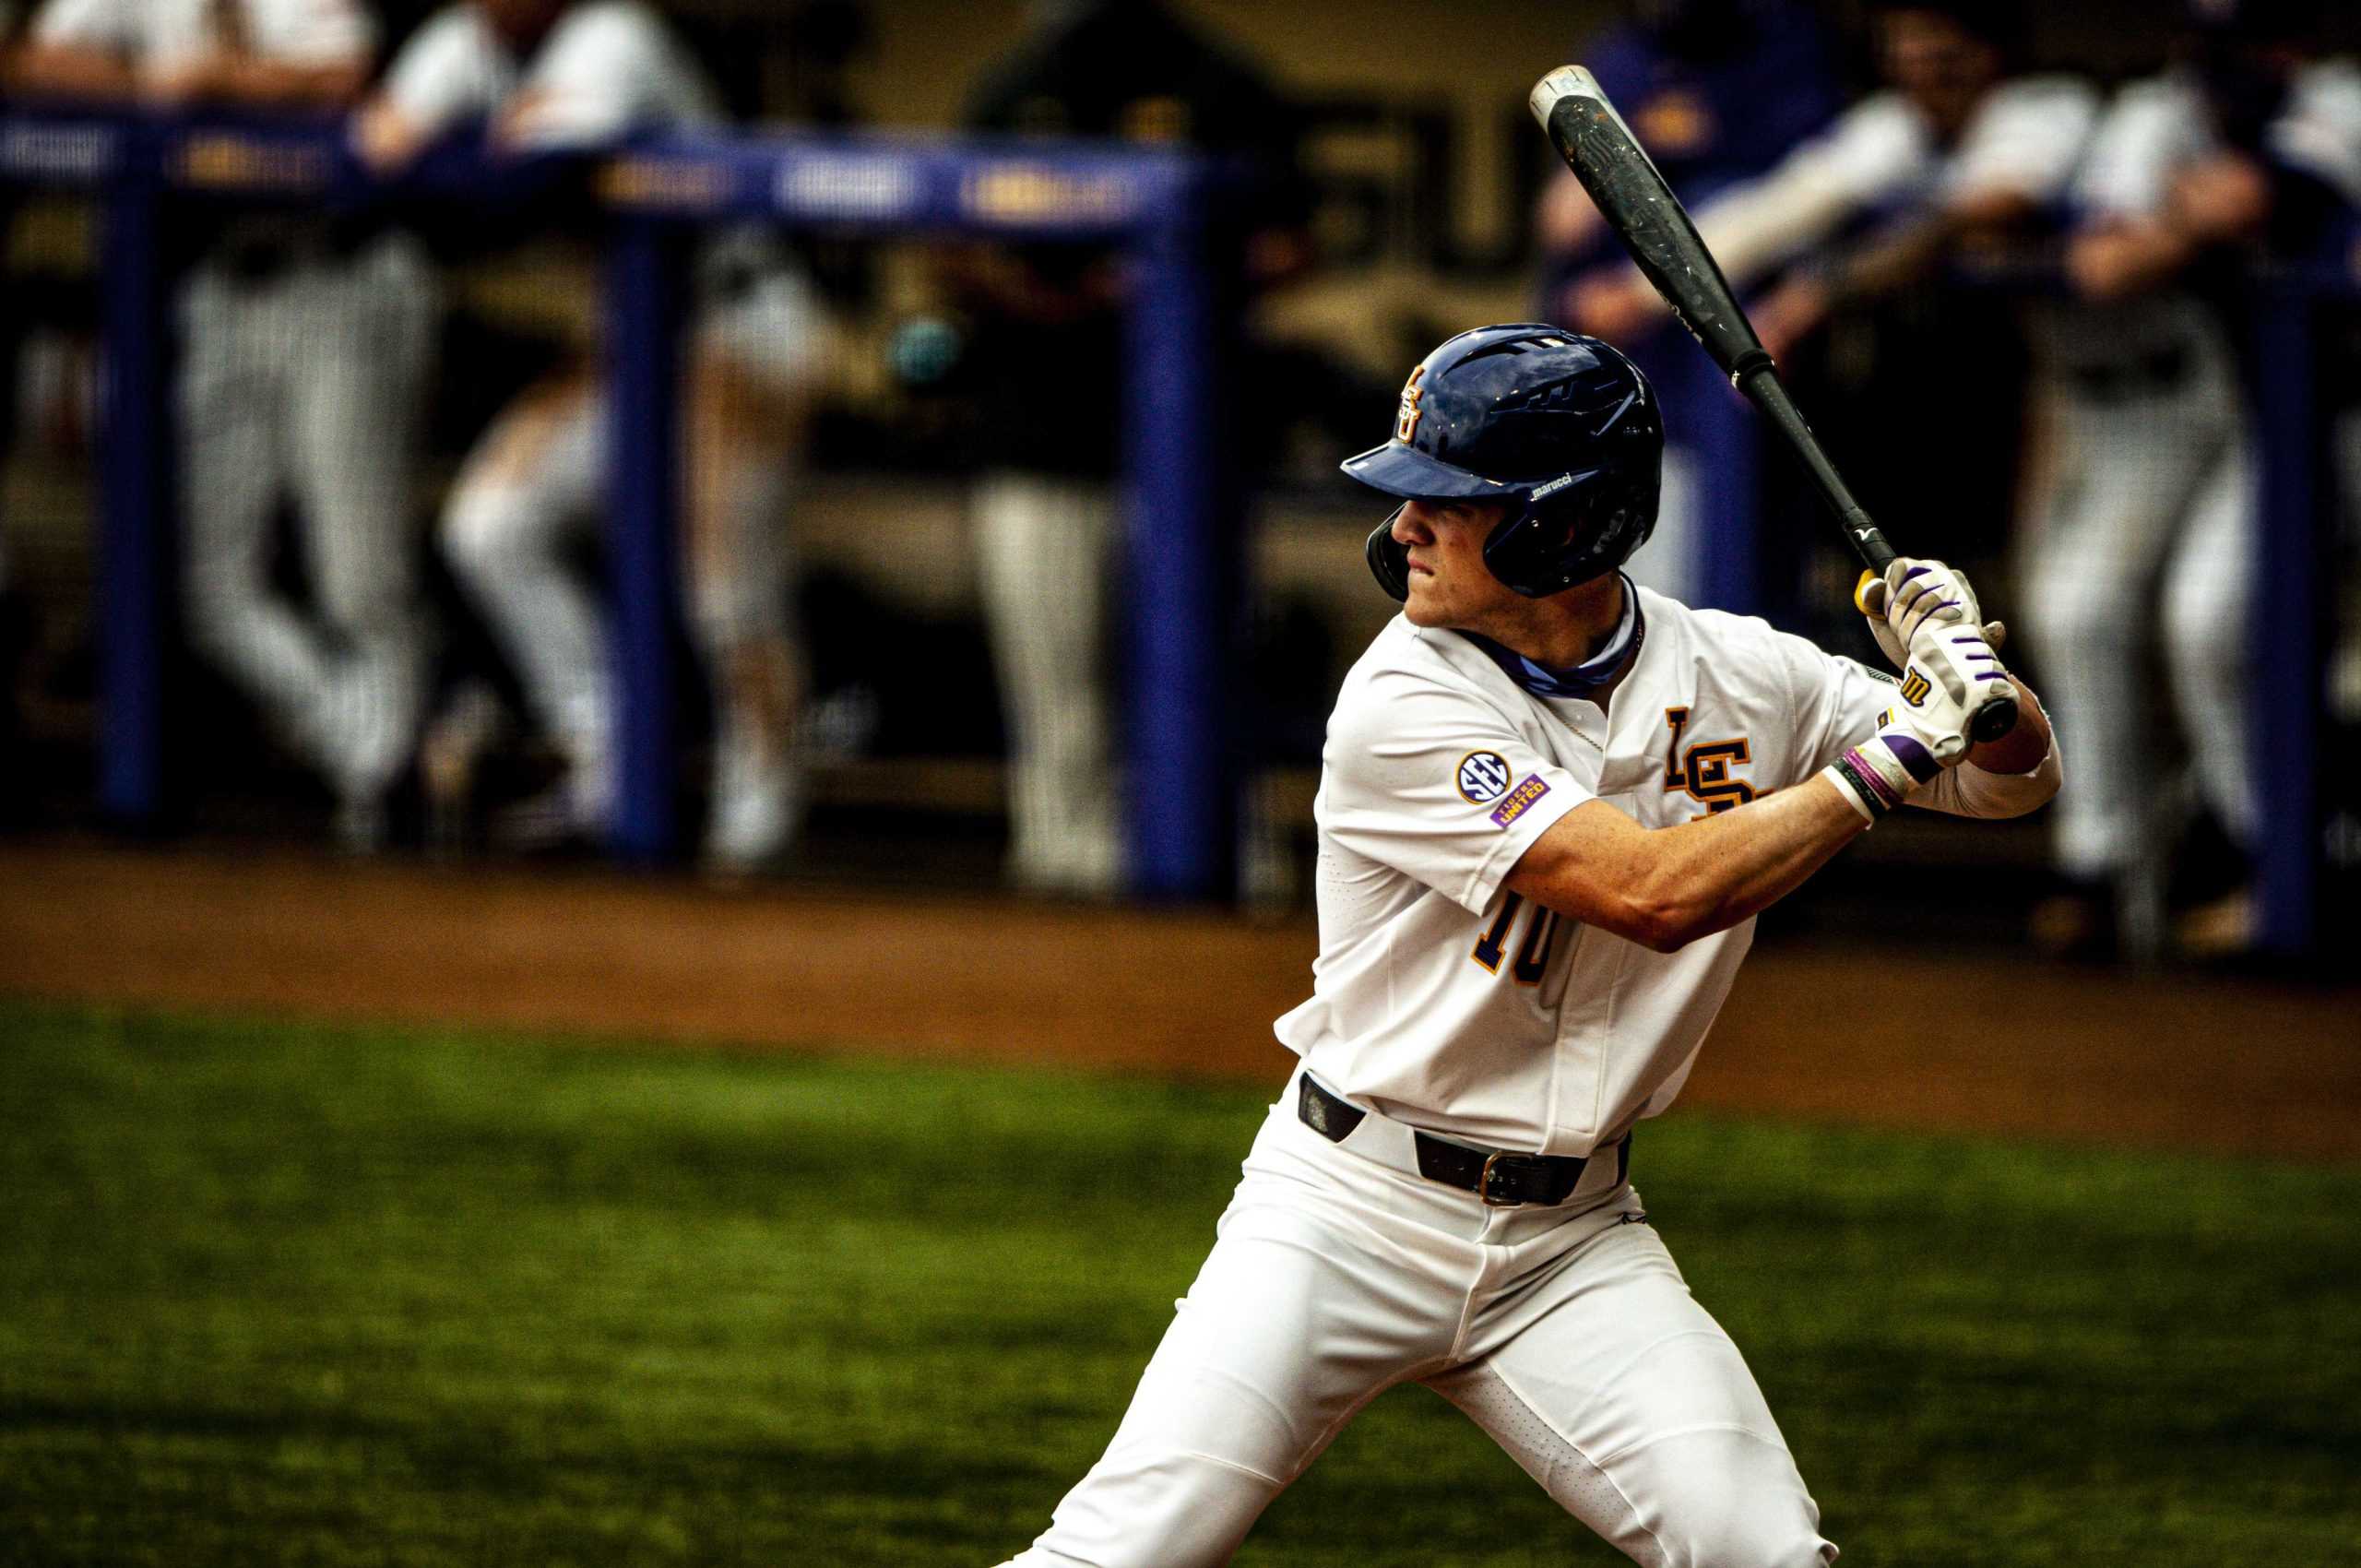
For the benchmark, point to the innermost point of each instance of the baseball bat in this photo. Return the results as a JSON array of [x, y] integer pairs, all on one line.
[[1637, 203]]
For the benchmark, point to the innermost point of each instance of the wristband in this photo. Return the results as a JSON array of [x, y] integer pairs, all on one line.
[[1864, 784]]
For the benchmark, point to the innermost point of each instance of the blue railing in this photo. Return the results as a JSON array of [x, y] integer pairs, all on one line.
[[1148, 203]]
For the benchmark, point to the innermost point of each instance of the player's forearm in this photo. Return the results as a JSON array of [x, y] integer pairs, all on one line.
[[271, 84], [2009, 776], [1666, 887], [73, 73]]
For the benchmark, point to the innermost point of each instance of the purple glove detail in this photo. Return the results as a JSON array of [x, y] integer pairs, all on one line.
[[1918, 759]]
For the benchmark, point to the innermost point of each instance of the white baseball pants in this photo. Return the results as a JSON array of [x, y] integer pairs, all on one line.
[[1044, 547], [529, 499], [1567, 1333], [307, 386], [2146, 533]]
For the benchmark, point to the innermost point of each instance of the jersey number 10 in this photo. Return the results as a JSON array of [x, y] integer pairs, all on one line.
[[1532, 954]]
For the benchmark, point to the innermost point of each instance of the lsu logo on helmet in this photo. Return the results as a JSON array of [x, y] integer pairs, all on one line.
[[1405, 423]]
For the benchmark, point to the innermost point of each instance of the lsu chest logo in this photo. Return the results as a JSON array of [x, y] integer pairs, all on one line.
[[1702, 771]]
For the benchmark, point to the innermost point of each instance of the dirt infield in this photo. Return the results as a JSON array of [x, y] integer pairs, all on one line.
[[2169, 1060]]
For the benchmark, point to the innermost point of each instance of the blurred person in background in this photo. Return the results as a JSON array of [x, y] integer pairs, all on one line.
[[1049, 328], [305, 342], [2143, 526], [1717, 91], [550, 76], [1956, 147]]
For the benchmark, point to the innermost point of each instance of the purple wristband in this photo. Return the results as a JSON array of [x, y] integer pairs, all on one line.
[[1867, 782]]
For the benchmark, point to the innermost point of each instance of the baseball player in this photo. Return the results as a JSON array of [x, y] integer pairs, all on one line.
[[1552, 805], [553, 75], [305, 345], [1953, 145], [2143, 524]]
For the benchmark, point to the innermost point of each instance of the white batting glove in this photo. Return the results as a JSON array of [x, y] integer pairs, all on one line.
[[1923, 733], [1915, 595]]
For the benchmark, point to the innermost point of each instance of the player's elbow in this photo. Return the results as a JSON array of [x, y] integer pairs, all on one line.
[[1661, 924]]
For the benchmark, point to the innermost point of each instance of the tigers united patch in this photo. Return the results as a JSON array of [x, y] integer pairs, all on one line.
[[1483, 777]]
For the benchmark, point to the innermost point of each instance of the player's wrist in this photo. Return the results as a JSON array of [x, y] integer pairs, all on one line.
[[1881, 774]]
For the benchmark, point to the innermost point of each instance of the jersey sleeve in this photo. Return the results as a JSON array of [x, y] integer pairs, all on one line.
[[446, 73], [613, 71], [1757, 227], [87, 24], [1835, 702], [325, 32], [2027, 142], [2319, 132], [1438, 785], [2143, 138]]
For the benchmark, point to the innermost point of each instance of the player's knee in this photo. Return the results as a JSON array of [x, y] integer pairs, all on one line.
[[1749, 1526], [218, 600], [1725, 1498], [2203, 628], [1744, 1537], [487, 530]]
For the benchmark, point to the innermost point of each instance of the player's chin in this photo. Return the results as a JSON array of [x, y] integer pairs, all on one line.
[[1424, 607]]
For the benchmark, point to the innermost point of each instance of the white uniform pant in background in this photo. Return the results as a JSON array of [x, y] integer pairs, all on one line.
[[531, 498], [2144, 534], [1044, 547], [304, 387], [1566, 1333]]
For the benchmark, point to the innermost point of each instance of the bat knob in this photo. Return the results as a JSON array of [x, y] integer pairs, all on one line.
[[1566, 81], [1993, 720]]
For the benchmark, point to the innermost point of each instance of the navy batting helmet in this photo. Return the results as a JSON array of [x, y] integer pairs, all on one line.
[[1560, 425]]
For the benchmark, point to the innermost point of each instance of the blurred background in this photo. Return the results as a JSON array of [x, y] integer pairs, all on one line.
[[328, 519], [815, 524]]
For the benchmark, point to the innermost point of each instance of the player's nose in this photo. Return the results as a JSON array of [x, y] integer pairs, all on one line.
[[1411, 525]]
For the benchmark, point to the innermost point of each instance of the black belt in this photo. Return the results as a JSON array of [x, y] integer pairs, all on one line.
[[1501, 1178]]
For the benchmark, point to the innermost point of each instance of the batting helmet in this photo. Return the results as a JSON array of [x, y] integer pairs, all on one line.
[[1560, 425]]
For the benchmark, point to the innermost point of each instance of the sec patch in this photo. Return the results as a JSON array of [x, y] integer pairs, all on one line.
[[1483, 778]]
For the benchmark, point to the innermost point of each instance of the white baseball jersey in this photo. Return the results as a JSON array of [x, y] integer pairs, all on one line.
[[158, 36], [1444, 1001], [2026, 138], [2158, 127], [608, 67]]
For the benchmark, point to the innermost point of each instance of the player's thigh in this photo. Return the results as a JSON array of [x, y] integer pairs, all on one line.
[[2127, 477], [2212, 571], [229, 452], [536, 474], [1627, 1402]]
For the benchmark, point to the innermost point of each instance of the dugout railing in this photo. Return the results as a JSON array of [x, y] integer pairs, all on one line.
[[1149, 204], [1183, 763]]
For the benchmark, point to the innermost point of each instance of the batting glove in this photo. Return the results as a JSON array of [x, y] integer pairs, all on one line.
[[1915, 595], [1918, 738]]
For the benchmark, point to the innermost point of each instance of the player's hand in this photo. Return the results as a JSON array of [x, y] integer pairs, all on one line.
[[2223, 198], [1923, 733], [1914, 596], [385, 138]]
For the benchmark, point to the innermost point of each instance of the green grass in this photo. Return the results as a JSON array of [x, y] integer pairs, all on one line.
[[305, 1295]]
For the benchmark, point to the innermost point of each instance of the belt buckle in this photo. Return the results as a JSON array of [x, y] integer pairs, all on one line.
[[1484, 1184]]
